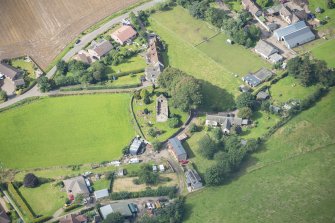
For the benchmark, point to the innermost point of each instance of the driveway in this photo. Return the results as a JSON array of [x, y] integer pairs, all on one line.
[[8, 86]]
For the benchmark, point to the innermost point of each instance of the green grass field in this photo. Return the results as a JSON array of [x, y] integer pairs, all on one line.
[[220, 86], [235, 58], [313, 4], [325, 51], [44, 199], [65, 130], [127, 80], [290, 180], [289, 88]]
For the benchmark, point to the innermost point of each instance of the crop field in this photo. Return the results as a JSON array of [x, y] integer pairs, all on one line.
[[42, 29], [289, 88], [291, 179], [65, 131]]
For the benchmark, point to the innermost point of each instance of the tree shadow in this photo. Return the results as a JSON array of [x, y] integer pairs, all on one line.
[[188, 150], [215, 98]]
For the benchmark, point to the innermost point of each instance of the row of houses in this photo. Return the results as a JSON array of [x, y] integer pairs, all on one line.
[[153, 59], [98, 49], [225, 121]]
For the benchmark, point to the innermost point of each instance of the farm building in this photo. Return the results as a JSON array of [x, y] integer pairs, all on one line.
[[4, 218], [13, 74], [262, 95], [295, 34], [124, 34], [276, 58], [100, 48], [223, 121], [287, 15], [193, 179], [265, 49], [76, 185], [155, 66], [177, 149], [162, 109], [99, 194], [258, 77], [74, 218], [123, 208], [252, 7], [135, 146]]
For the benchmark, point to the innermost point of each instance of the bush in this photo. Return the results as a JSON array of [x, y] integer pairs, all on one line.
[[174, 122], [71, 207], [244, 112], [160, 191], [3, 95], [42, 219], [193, 128], [30, 180]]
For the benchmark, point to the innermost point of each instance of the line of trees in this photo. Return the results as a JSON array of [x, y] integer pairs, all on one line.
[[185, 90]]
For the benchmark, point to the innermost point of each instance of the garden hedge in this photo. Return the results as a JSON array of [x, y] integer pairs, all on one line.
[[20, 202]]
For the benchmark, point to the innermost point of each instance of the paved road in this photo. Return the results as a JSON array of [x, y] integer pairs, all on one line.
[[87, 38]]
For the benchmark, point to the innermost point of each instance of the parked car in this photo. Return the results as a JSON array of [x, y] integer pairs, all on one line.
[[78, 41]]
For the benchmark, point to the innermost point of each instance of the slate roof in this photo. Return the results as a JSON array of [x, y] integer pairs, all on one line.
[[263, 74], [265, 49], [251, 80], [101, 47], [152, 72], [299, 37], [101, 193], [9, 71], [73, 218], [76, 185], [19, 82], [193, 178], [135, 146], [251, 6], [177, 146], [262, 95], [275, 58], [279, 33], [221, 119]]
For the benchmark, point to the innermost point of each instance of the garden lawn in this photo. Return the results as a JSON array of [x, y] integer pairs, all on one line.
[[133, 63], [101, 184], [65, 131], [220, 86], [149, 121], [290, 180], [127, 80], [313, 4], [326, 52], [235, 58], [23, 65], [289, 88], [44, 199]]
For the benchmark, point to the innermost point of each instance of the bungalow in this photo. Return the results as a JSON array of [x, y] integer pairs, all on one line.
[[193, 179], [295, 34], [13, 74], [99, 48], [162, 109], [125, 34], [75, 186], [177, 149], [265, 49], [74, 218], [224, 121]]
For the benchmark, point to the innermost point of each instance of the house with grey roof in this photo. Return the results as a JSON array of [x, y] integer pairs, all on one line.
[[135, 146], [12, 73], [76, 186], [265, 49], [177, 149], [276, 58], [262, 95], [225, 121], [287, 15], [193, 180], [295, 34], [162, 109], [121, 207], [255, 79], [99, 48], [155, 65], [100, 194]]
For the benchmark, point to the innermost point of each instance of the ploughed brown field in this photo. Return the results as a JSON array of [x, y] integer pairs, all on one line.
[[43, 28]]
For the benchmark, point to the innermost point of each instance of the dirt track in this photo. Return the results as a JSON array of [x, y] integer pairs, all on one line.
[[43, 28]]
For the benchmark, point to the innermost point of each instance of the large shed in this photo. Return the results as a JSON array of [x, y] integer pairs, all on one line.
[[177, 149]]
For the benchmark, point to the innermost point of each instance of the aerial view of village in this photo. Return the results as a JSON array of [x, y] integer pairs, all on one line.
[[167, 111]]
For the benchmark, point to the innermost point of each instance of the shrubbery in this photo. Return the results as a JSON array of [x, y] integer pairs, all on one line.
[[20, 202]]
